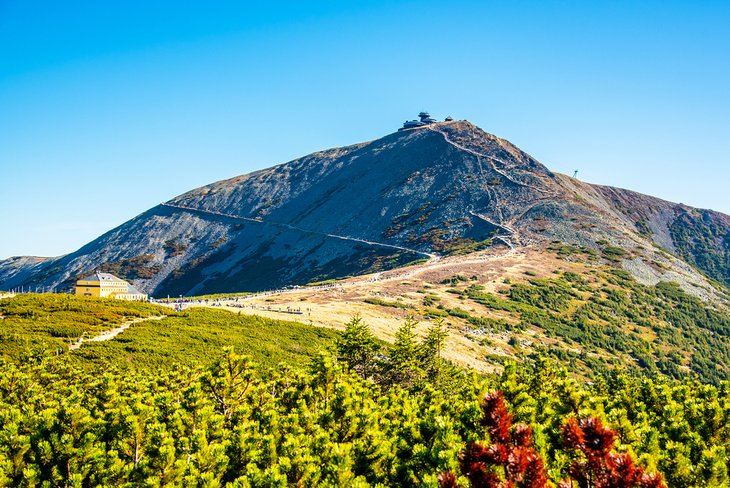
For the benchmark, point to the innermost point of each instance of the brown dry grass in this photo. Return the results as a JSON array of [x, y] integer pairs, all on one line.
[[335, 306]]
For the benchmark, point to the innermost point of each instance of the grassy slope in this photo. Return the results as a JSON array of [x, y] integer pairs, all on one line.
[[38, 324], [43, 325], [196, 336], [590, 316], [613, 321], [703, 239]]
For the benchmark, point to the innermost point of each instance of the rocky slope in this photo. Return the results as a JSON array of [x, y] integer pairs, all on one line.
[[447, 188]]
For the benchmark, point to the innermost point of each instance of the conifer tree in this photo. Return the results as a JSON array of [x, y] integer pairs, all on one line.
[[229, 380], [431, 349], [403, 368], [357, 348]]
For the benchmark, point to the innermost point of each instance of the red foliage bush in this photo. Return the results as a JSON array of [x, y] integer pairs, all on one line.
[[511, 461], [596, 466]]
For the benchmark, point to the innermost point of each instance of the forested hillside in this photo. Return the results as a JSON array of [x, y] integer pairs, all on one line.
[[344, 410], [231, 424]]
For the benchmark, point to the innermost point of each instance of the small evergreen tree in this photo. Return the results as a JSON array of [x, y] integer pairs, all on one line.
[[229, 380], [431, 349], [404, 368], [357, 348]]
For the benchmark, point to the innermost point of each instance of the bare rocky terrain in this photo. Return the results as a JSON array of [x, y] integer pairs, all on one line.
[[445, 189]]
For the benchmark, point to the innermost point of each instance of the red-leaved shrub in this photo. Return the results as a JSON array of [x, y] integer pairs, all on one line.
[[595, 465], [511, 461]]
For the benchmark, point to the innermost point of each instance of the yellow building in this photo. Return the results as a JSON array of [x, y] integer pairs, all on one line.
[[107, 285]]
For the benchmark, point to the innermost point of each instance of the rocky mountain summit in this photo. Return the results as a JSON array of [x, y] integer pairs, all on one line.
[[442, 188]]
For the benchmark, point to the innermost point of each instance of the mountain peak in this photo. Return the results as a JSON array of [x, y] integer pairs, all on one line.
[[431, 189]]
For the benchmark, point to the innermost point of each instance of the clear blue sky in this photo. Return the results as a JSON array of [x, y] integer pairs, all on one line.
[[133, 102]]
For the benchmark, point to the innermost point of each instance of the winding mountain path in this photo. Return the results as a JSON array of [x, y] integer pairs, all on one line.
[[491, 160], [431, 256], [393, 274], [111, 334], [512, 233]]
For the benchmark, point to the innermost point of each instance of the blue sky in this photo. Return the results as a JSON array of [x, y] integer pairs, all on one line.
[[108, 108]]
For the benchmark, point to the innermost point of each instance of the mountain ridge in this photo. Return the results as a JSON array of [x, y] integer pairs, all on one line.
[[441, 189]]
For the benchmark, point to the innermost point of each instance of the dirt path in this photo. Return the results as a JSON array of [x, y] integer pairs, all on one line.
[[491, 160], [390, 275], [431, 256], [111, 334], [382, 276]]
